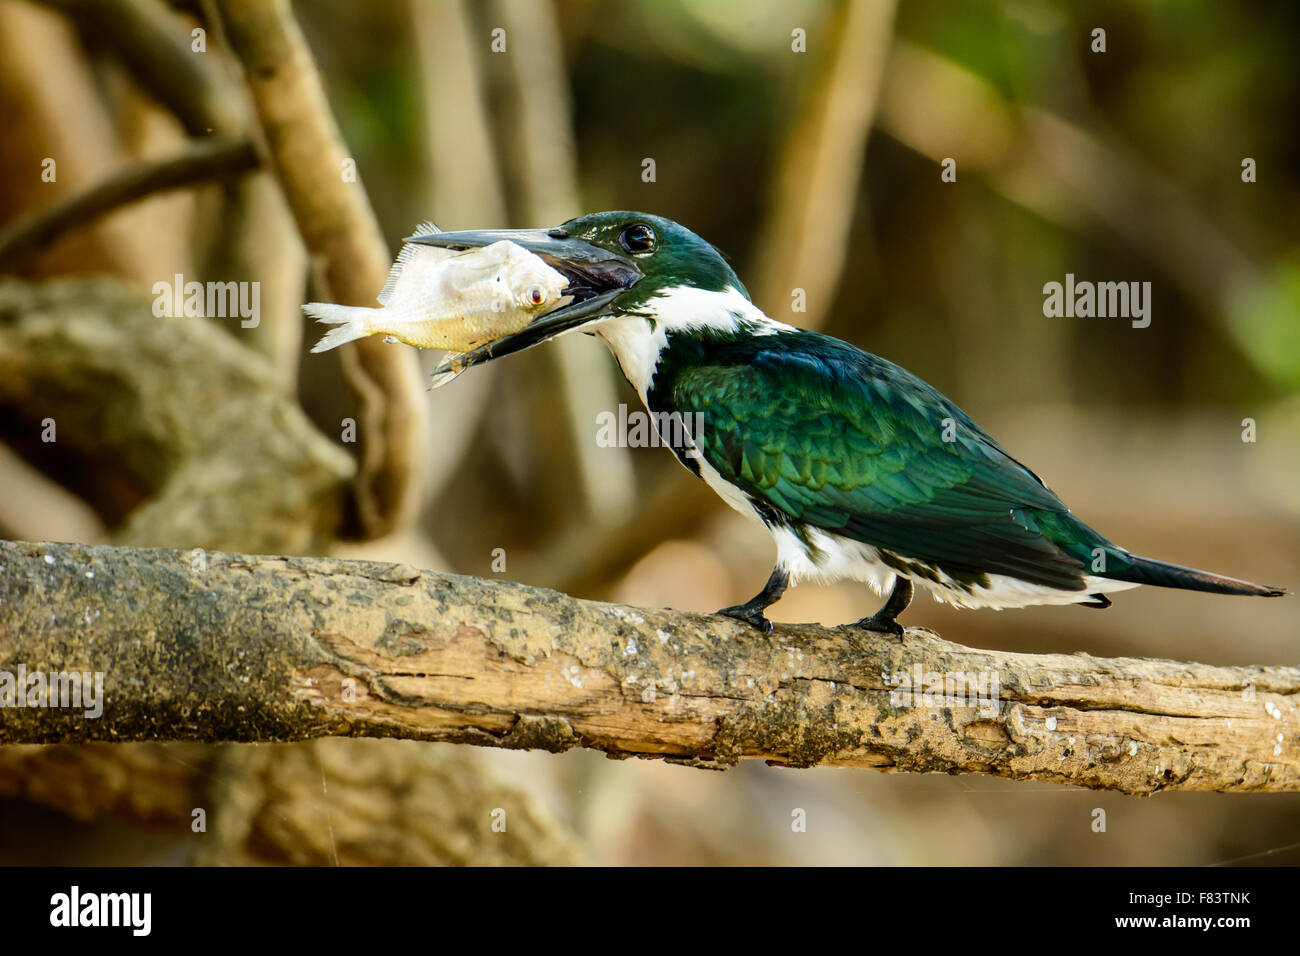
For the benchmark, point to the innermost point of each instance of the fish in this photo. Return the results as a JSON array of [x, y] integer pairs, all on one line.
[[456, 300]]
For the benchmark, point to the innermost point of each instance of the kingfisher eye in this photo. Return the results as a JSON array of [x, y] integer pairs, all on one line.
[[637, 238], [536, 295]]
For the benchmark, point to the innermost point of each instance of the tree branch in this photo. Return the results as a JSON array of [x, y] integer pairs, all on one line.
[[806, 230], [338, 226], [230, 647], [217, 158], [155, 44]]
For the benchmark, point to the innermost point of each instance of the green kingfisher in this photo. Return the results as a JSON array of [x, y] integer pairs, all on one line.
[[857, 468]]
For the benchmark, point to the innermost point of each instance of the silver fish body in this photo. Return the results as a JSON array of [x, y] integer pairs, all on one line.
[[448, 299]]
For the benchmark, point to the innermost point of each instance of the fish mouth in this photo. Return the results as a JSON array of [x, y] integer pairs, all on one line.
[[597, 277]]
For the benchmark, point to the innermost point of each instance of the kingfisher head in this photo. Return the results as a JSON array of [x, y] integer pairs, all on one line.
[[646, 270]]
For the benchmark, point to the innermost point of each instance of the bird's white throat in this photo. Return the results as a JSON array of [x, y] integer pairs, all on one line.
[[637, 339]]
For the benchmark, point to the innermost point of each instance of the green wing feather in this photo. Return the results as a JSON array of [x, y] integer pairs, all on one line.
[[842, 440]]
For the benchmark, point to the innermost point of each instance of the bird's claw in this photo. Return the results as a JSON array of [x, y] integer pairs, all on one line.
[[752, 616], [883, 625]]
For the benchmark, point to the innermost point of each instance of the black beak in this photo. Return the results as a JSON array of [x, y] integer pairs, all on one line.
[[596, 278]]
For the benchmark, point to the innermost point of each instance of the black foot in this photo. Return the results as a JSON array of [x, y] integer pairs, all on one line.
[[1098, 600], [885, 620], [881, 623], [751, 614]]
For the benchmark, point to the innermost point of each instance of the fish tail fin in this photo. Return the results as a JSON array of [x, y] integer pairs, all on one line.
[[1161, 574], [353, 323]]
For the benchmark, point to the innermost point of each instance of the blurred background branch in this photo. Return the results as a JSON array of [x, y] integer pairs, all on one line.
[[805, 239], [337, 225], [154, 42], [207, 159]]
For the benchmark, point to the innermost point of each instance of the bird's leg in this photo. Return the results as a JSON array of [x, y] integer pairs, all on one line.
[[751, 612], [886, 618]]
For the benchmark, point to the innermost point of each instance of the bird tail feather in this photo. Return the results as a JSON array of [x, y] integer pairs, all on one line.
[[353, 323], [1164, 575]]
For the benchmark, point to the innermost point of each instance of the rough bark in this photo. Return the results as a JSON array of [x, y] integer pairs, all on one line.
[[235, 647]]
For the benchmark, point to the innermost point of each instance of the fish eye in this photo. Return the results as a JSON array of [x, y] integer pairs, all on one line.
[[637, 239], [536, 295]]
